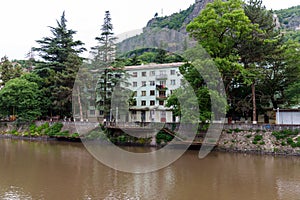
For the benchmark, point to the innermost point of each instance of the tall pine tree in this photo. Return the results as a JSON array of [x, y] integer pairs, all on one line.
[[61, 61], [111, 73]]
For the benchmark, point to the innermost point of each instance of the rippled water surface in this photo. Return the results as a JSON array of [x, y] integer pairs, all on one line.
[[51, 170]]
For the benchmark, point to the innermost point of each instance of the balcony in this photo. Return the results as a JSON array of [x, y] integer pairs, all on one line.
[[161, 87], [162, 77]]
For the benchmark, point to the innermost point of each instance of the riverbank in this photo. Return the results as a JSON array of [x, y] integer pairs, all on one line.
[[275, 142]]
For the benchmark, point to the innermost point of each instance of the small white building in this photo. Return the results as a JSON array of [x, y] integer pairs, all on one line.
[[288, 116]]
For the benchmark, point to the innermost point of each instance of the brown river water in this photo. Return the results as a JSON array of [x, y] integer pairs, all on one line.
[[58, 170]]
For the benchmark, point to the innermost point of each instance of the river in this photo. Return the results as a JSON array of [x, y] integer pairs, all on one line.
[[58, 170]]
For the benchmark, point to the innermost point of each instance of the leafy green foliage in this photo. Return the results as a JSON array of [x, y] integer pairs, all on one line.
[[162, 136], [54, 129], [21, 98]]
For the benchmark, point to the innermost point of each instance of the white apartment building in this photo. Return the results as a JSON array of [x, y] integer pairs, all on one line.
[[152, 84]]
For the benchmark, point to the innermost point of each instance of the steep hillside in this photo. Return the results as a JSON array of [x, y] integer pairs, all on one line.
[[165, 32], [289, 18]]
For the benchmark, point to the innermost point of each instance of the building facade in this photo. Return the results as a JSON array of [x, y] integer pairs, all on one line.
[[152, 84]]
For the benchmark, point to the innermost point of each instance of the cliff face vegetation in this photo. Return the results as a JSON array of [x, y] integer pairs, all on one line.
[[165, 32], [289, 18]]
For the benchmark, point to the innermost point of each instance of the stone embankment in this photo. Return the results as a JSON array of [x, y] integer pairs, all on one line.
[[284, 142]]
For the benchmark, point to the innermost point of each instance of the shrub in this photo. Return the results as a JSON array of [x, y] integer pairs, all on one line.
[[54, 129], [237, 130], [284, 133], [262, 143], [248, 136], [75, 135], [290, 141], [257, 138]]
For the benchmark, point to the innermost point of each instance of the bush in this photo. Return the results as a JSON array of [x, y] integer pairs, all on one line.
[[237, 130], [54, 129], [262, 143], [284, 133], [257, 138], [290, 141], [248, 136]]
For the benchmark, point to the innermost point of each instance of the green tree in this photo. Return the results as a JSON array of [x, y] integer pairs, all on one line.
[[8, 70], [111, 73], [281, 76], [55, 49], [262, 41], [21, 98], [220, 29], [61, 61], [200, 75]]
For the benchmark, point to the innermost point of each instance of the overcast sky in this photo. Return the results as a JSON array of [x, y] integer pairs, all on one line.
[[24, 21]]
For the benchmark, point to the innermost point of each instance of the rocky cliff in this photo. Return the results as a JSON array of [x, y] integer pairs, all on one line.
[[168, 32]]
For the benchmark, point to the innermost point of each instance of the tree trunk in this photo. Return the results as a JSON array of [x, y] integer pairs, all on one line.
[[80, 105], [254, 103]]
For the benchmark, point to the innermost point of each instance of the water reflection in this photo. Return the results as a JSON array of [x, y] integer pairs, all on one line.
[[37, 170]]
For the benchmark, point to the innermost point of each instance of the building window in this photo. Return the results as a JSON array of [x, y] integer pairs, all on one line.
[[172, 72], [162, 83], [134, 74], [144, 83], [152, 73], [92, 112], [152, 83], [143, 103], [135, 93], [101, 112], [143, 93], [162, 72], [152, 103], [144, 74], [161, 103], [152, 92], [173, 82], [162, 93], [134, 84]]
